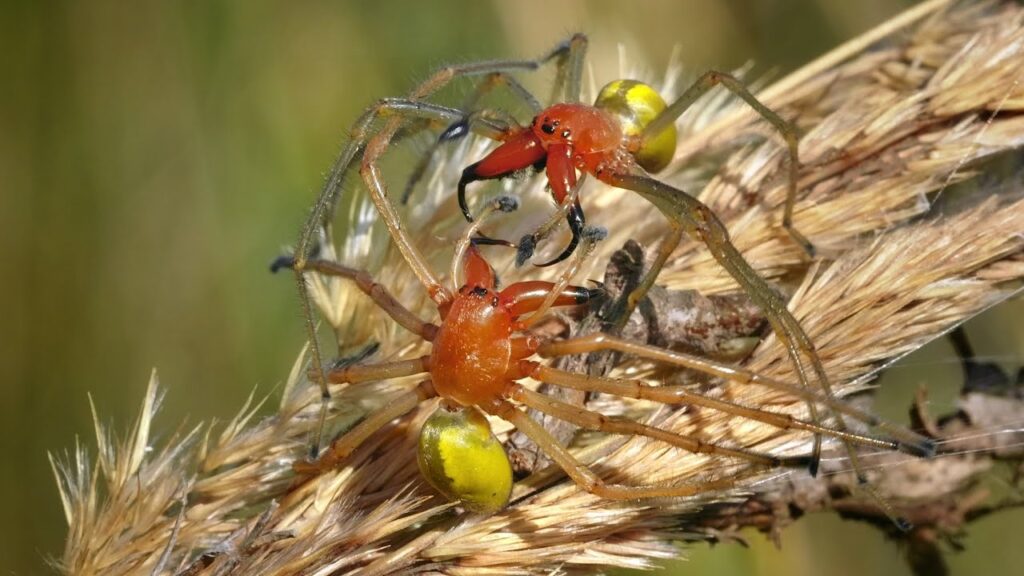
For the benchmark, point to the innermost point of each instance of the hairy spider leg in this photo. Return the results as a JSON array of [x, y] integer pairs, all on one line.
[[570, 73], [593, 420], [355, 374], [380, 296], [687, 213], [397, 406], [909, 441], [589, 481], [461, 128], [701, 86], [678, 394]]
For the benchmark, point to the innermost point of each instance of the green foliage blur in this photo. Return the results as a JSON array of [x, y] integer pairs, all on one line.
[[154, 158]]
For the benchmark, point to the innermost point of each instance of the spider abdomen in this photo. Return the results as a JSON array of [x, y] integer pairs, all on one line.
[[635, 105]]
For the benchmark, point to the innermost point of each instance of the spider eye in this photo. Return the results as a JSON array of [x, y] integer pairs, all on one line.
[[460, 457], [636, 104], [478, 291]]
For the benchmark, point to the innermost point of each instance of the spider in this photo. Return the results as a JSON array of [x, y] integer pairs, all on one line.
[[483, 346], [627, 133]]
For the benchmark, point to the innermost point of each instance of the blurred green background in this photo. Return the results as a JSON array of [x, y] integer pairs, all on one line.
[[154, 158]]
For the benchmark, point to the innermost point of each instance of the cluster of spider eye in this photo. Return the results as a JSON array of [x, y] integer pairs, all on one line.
[[482, 345]]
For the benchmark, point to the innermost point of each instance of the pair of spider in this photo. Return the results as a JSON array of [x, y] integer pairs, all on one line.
[[482, 345]]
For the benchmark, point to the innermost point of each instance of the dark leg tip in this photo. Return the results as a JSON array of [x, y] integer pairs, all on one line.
[[457, 130], [926, 448], [506, 203], [812, 466], [527, 245], [582, 295], [902, 524], [594, 233], [282, 262], [796, 462], [804, 243], [359, 356]]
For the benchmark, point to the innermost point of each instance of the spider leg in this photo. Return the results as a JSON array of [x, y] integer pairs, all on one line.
[[682, 395], [462, 127], [587, 480], [687, 213], [341, 448], [702, 85], [359, 373], [569, 77], [377, 292], [910, 441], [679, 395], [616, 425]]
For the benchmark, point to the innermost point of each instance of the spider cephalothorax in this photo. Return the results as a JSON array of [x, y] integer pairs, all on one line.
[[476, 351]]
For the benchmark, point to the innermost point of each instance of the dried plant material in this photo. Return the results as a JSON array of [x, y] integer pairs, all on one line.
[[887, 128], [940, 495]]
